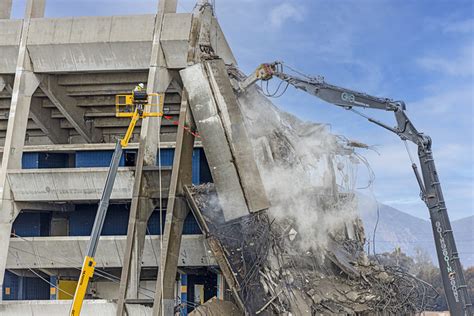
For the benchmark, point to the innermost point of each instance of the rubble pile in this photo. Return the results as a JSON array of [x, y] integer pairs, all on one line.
[[277, 277]]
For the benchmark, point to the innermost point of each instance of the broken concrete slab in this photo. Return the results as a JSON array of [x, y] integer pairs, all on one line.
[[236, 132], [215, 143], [225, 140]]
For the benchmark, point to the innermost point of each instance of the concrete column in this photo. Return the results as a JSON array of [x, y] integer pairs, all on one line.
[[5, 9], [25, 84], [184, 294], [220, 286], [53, 291], [141, 207], [176, 212]]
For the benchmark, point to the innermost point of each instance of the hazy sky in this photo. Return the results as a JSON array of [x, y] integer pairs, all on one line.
[[417, 51]]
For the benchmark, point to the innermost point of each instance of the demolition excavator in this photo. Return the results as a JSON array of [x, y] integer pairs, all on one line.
[[457, 295]]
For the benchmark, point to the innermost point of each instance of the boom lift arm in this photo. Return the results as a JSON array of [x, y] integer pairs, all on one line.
[[457, 295], [131, 106]]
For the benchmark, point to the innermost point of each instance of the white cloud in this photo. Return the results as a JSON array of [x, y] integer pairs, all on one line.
[[441, 99], [461, 65], [285, 12]]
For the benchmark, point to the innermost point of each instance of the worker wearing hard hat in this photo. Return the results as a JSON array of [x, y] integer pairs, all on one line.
[[139, 87]]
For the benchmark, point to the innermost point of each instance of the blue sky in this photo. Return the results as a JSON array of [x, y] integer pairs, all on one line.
[[417, 51]]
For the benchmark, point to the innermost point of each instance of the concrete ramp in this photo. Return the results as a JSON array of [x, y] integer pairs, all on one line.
[[60, 308]]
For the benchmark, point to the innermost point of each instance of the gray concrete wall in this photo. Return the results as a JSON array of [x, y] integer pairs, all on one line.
[[68, 252], [10, 32], [73, 184], [48, 308], [91, 43]]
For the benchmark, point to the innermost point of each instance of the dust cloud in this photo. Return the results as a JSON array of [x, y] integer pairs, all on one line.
[[308, 173]]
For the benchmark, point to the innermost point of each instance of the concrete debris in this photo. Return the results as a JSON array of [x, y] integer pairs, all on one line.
[[292, 234], [216, 307]]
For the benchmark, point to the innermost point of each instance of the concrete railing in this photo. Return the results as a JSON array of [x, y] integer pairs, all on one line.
[[68, 252]]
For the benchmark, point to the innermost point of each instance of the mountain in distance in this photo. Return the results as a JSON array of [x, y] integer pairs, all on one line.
[[399, 229]]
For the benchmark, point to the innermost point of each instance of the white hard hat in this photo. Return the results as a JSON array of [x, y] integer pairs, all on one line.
[[141, 85]]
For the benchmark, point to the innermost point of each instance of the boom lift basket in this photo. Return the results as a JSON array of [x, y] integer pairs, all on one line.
[[126, 104]]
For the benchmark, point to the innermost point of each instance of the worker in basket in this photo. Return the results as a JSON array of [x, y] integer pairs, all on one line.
[[140, 97]]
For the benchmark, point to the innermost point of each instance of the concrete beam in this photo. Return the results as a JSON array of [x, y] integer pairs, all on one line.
[[50, 252], [68, 107], [10, 35], [81, 184], [35, 9], [91, 43], [51, 127], [175, 39], [44, 206], [5, 9], [215, 143], [176, 213], [237, 136], [71, 148], [158, 81], [25, 84], [62, 307]]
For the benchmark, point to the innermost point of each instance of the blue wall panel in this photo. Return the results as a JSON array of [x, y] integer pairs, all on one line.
[[190, 225], [44, 160], [95, 158], [31, 224], [116, 220], [30, 161], [11, 282], [196, 166], [35, 289], [82, 220], [167, 156], [153, 225]]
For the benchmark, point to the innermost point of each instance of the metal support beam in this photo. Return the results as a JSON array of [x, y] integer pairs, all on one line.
[[25, 84], [51, 127], [69, 108], [141, 208], [5, 9], [176, 212]]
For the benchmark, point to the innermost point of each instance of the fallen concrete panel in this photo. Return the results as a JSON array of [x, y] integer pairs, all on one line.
[[215, 143], [81, 184], [234, 125], [68, 252], [61, 307]]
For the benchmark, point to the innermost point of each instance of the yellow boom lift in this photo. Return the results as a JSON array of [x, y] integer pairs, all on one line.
[[135, 106]]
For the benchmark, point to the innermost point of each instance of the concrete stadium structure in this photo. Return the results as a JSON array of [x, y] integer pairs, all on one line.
[[58, 81]]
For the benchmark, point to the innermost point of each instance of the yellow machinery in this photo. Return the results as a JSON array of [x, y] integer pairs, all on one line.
[[136, 105]]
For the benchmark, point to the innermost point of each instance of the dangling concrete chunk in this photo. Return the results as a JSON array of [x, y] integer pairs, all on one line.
[[224, 138]]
